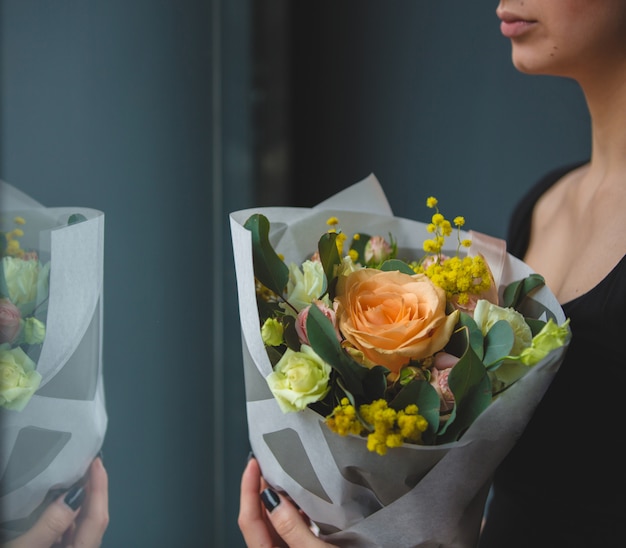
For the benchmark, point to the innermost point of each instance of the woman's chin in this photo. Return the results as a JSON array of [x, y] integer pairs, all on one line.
[[530, 65]]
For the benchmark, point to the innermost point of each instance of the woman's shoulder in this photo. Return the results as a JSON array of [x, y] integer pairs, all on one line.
[[518, 233]]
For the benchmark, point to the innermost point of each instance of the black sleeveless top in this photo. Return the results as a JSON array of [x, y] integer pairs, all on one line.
[[563, 485]]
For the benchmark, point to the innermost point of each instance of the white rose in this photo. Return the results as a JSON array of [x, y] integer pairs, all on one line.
[[18, 379], [305, 285], [25, 278]]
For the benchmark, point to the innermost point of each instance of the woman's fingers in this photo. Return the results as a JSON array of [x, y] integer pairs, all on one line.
[[270, 519], [289, 523], [77, 519], [252, 518], [94, 516], [51, 526]]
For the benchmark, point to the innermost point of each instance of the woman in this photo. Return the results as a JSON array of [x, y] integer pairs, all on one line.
[[77, 519], [563, 484]]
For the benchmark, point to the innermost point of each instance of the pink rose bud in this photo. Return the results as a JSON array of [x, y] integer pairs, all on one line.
[[304, 314], [439, 381], [443, 364], [316, 257], [443, 360], [467, 307], [377, 250], [432, 259], [9, 321], [446, 393]]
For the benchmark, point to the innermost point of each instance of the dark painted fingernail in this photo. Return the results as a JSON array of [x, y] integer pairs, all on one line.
[[270, 499], [75, 497]]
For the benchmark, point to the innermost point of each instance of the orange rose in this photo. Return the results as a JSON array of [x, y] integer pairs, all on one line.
[[393, 317]]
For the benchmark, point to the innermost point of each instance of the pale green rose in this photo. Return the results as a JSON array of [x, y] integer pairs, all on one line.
[[272, 332], [347, 266], [305, 285], [18, 379], [551, 337], [298, 379], [26, 280], [486, 314], [34, 331], [344, 269], [515, 366]]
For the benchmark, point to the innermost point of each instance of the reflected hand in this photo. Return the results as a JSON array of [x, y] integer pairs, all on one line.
[[76, 519]]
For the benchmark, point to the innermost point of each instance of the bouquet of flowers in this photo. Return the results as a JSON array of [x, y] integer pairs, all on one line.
[[370, 346], [52, 411]]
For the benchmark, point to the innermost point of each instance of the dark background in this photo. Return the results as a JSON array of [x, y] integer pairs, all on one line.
[[168, 114]]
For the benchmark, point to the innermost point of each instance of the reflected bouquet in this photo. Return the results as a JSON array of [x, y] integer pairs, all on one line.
[[52, 410], [377, 332], [24, 285]]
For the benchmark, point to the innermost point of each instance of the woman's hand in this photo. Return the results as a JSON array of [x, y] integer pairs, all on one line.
[[76, 519], [270, 519]]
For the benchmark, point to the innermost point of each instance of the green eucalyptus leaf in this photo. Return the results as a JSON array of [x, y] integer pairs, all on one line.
[[346, 392], [471, 386], [516, 292], [535, 325], [323, 340], [375, 382], [325, 406], [473, 334], [498, 343], [269, 269], [397, 264], [329, 254], [273, 354], [268, 309], [292, 340], [331, 288], [423, 394]]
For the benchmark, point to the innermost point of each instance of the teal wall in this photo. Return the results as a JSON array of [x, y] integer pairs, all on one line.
[[144, 109], [131, 108], [423, 94]]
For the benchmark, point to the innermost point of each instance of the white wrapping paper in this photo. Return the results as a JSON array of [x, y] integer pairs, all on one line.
[[426, 496], [48, 446]]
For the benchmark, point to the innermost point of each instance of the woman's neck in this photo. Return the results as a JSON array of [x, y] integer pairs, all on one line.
[[606, 100]]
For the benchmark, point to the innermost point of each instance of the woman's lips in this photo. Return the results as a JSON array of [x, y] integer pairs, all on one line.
[[513, 25]]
